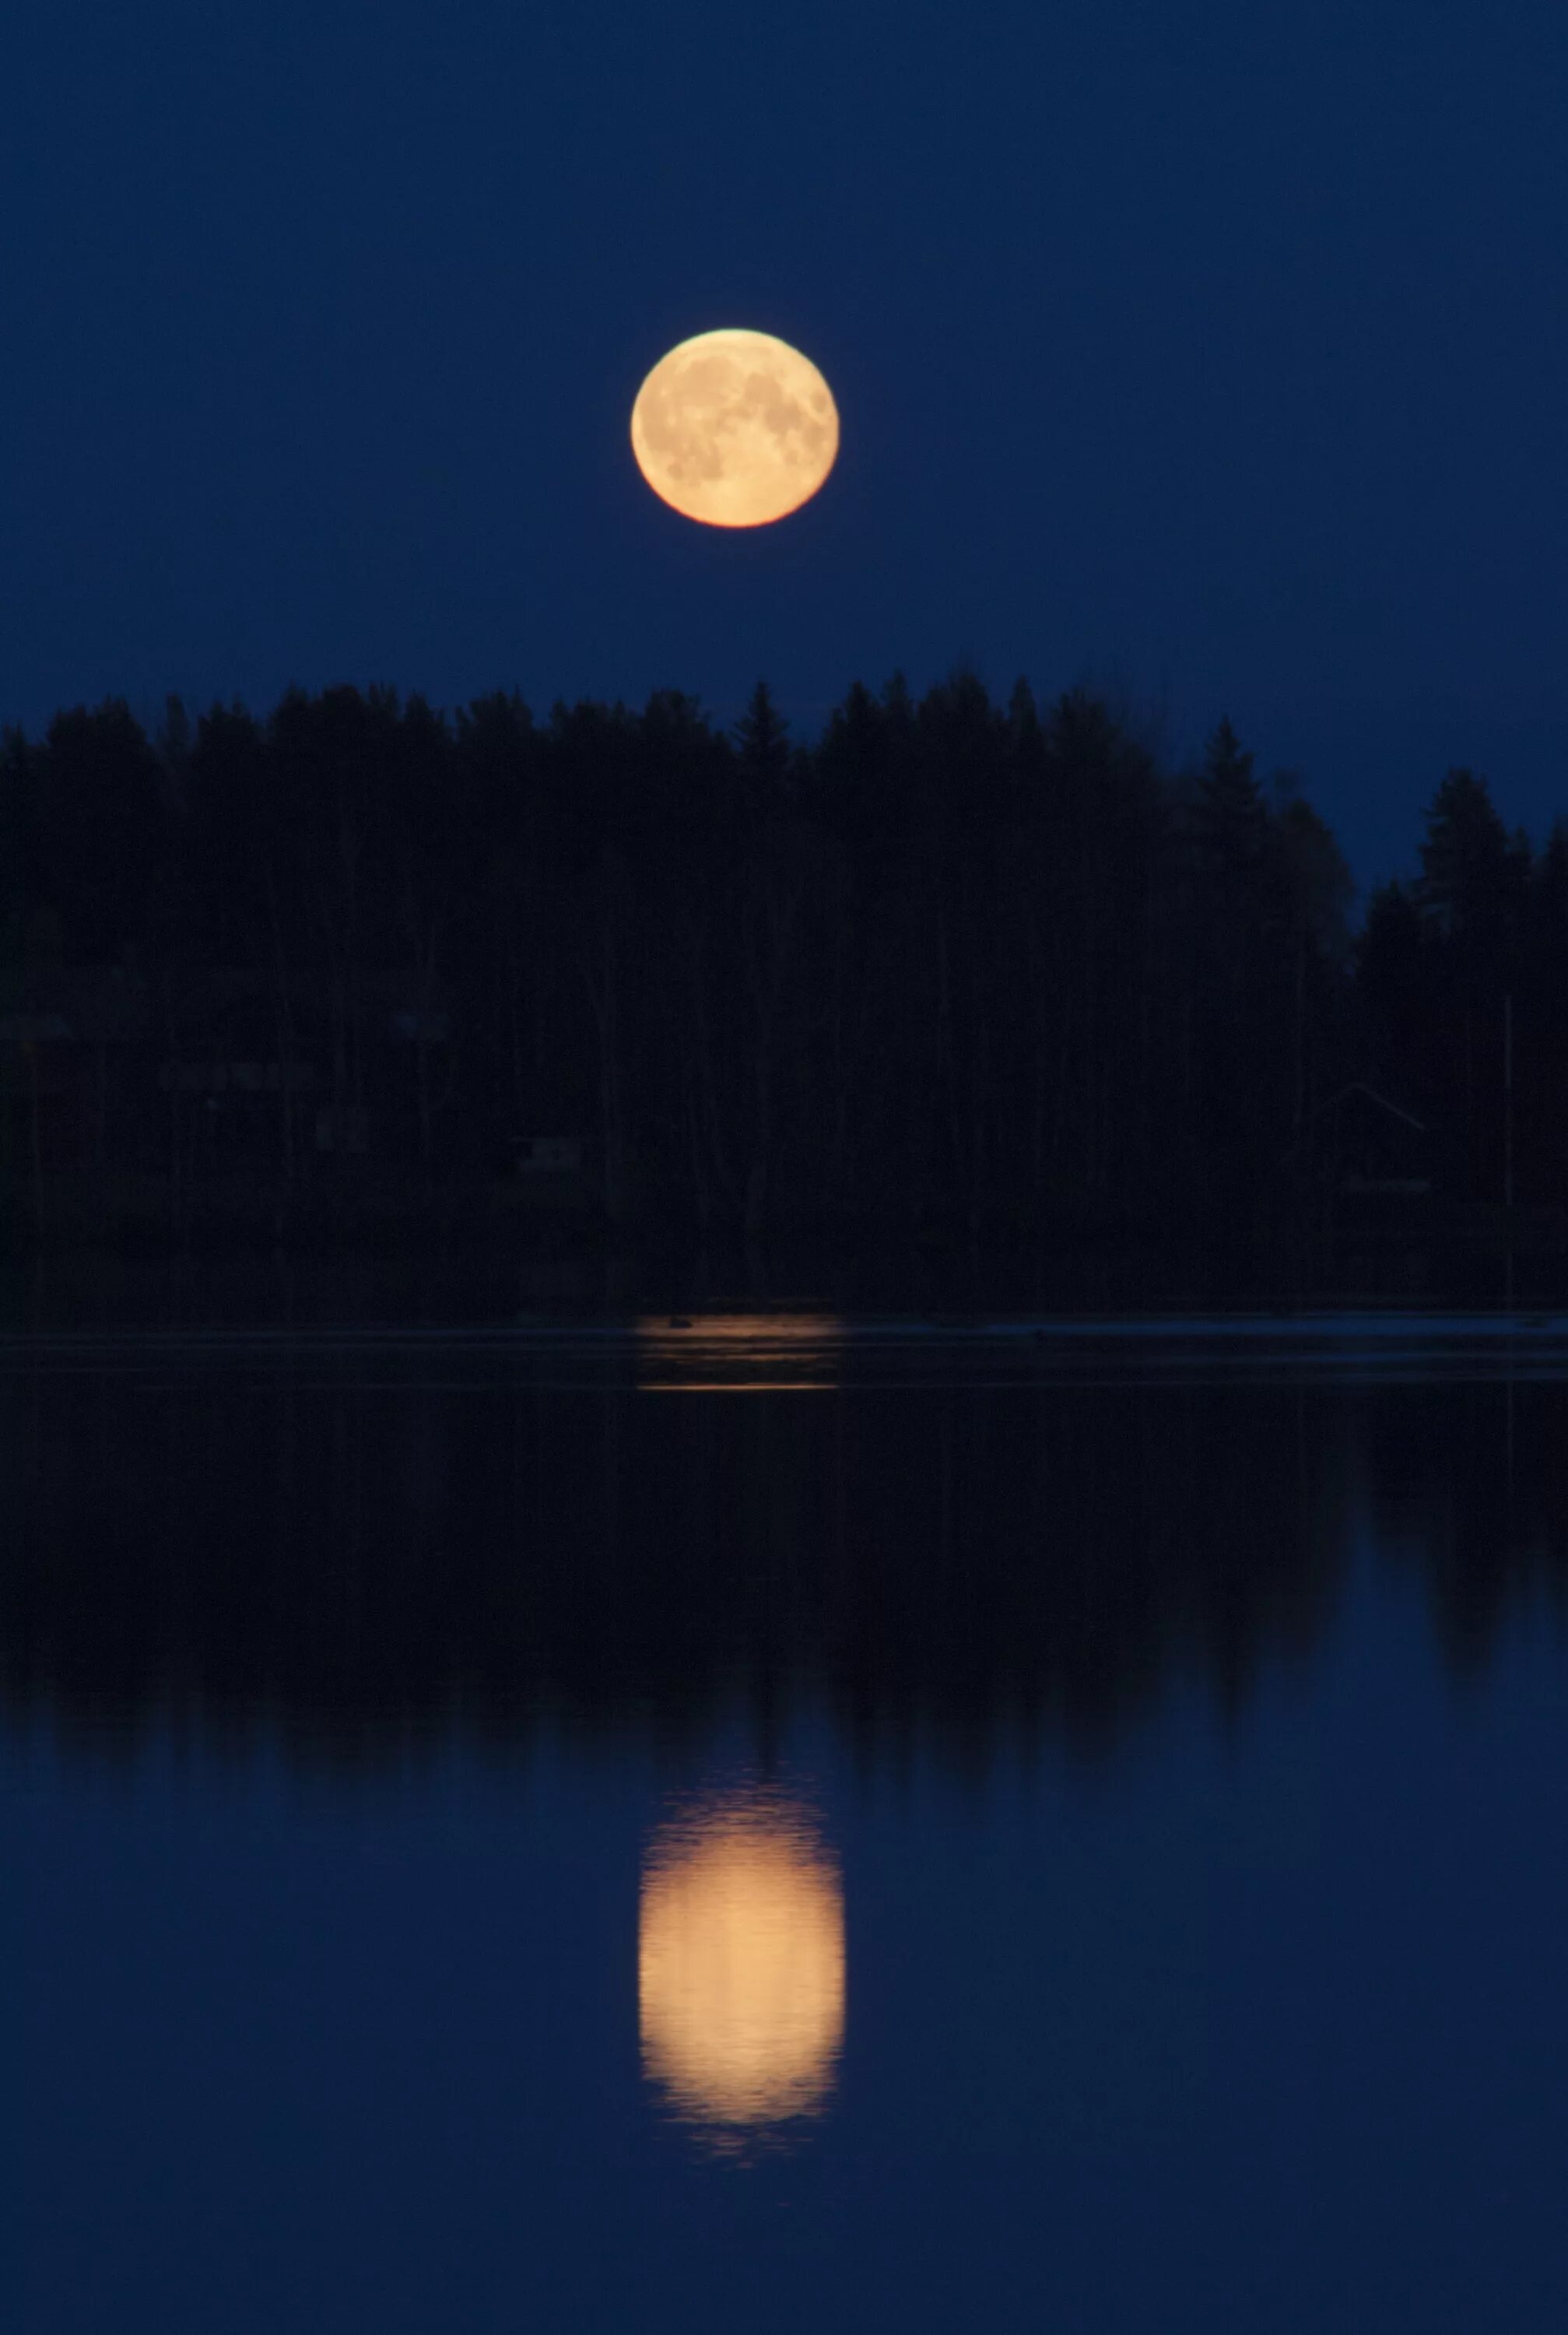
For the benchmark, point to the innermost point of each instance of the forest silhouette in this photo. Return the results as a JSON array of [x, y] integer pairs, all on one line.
[[994, 969]]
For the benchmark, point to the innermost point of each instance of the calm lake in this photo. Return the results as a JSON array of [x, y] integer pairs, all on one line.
[[774, 1820]]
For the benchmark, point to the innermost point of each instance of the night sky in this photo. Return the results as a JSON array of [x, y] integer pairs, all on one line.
[[1219, 350]]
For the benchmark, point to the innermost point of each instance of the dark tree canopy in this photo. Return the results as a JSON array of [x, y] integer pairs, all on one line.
[[957, 964]]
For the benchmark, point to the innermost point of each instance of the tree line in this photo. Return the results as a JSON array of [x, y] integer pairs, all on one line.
[[954, 963]]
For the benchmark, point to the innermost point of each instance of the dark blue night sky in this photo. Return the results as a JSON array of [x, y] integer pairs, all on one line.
[[1222, 349]]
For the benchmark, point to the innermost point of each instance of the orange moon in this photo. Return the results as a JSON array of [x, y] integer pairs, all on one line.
[[735, 429]]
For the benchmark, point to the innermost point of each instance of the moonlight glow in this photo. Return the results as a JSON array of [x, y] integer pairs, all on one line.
[[735, 429], [740, 1962]]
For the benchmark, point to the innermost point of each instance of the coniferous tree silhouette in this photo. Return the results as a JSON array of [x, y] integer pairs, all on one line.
[[988, 970], [1471, 893]]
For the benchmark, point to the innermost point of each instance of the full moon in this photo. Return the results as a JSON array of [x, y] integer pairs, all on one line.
[[735, 429]]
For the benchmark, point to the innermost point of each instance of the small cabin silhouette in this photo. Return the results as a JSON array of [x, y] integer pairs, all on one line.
[[69, 1043], [1364, 1144], [549, 1155], [343, 1127]]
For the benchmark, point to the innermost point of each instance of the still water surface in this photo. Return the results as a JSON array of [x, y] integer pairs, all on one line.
[[773, 1822]]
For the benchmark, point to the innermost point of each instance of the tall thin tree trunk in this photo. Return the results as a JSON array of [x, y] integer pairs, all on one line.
[[603, 997], [839, 1146], [282, 1025], [35, 1115], [1299, 1115]]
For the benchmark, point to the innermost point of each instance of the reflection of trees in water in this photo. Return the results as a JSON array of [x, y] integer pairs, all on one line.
[[370, 1568], [1470, 1483]]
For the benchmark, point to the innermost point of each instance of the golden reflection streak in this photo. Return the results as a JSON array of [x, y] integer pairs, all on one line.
[[736, 1343], [740, 1962], [736, 1386]]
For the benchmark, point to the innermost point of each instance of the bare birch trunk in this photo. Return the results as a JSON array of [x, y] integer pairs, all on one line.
[[603, 998]]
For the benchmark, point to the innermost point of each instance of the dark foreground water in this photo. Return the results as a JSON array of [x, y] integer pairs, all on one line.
[[778, 1823]]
